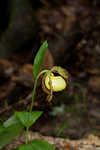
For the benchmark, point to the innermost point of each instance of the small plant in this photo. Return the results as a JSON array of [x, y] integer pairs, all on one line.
[[63, 126], [94, 132], [25, 119]]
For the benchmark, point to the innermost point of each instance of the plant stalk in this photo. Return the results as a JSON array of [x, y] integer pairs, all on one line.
[[27, 131], [35, 84]]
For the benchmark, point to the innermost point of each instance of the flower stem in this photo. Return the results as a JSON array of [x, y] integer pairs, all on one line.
[[35, 84], [27, 131]]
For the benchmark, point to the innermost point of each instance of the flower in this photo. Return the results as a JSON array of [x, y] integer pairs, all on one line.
[[55, 81]]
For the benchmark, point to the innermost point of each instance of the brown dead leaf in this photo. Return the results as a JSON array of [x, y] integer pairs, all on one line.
[[48, 62], [94, 83]]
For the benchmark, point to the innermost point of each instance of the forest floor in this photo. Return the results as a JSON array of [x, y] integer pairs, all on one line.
[[72, 120]]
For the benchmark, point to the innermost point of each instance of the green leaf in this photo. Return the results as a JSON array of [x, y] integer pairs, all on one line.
[[39, 59], [41, 145], [9, 130], [37, 145], [11, 121], [28, 118], [2, 128], [9, 133]]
